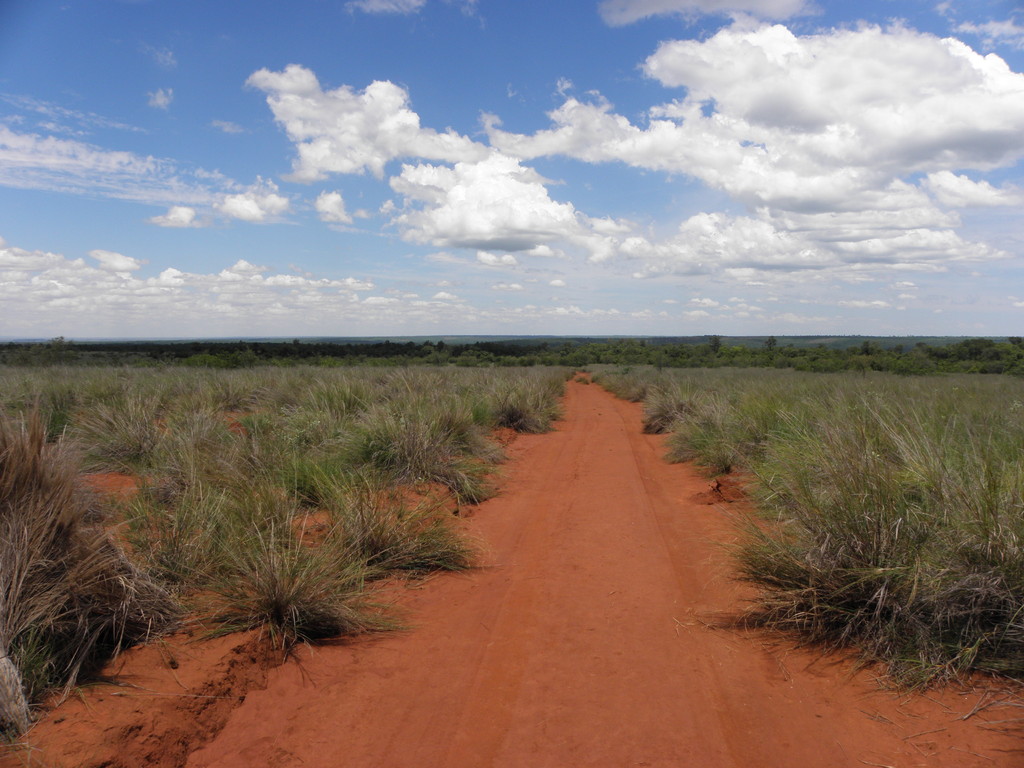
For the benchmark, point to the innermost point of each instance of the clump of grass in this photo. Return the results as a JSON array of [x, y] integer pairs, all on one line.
[[425, 442], [68, 596], [627, 384], [664, 406], [121, 435], [269, 579], [172, 532], [528, 403], [390, 534]]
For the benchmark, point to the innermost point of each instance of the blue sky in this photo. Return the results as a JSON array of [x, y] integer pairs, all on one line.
[[175, 168]]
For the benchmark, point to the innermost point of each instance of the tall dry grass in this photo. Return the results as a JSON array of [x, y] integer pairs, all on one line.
[[69, 597]]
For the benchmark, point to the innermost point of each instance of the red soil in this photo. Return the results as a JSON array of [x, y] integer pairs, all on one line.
[[166, 699], [593, 635], [113, 485]]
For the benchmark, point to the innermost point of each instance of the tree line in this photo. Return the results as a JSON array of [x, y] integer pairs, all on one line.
[[974, 355]]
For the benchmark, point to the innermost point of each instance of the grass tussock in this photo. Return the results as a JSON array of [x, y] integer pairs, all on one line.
[[388, 533], [270, 580], [69, 597]]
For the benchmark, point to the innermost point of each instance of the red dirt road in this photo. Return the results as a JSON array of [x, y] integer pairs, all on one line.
[[588, 639]]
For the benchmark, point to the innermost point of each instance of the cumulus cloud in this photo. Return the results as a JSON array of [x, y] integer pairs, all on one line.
[[507, 287], [18, 260], [958, 191], [331, 208], [496, 260], [115, 262], [815, 121], [347, 131], [495, 204], [445, 296], [619, 12], [557, 283], [258, 203], [819, 136], [161, 98], [180, 216]]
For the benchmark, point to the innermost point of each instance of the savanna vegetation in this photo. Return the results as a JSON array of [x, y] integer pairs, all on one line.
[[891, 509], [905, 356], [267, 499], [272, 496]]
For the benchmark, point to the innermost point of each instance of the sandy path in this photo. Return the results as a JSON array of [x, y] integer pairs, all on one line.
[[585, 641]]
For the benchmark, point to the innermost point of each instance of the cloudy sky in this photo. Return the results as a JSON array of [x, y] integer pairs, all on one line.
[[174, 168]]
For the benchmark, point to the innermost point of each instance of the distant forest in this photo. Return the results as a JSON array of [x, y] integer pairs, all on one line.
[[832, 354]]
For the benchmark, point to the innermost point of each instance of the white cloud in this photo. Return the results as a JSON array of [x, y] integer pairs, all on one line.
[[226, 126], [19, 260], [31, 161], [161, 98], [819, 136], [403, 6], [58, 115], [445, 296], [344, 131], [995, 33], [115, 262], [826, 120], [331, 207], [495, 204], [164, 57], [44, 292], [506, 287], [895, 100], [958, 191], [744, 247], [386, 6], [256, 204], [859, 304], [704, 303], [496, 260], [557, 283], [181, 216], [619, 12]]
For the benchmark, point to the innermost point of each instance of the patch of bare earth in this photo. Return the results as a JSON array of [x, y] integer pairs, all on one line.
[[153, 706], [594, 634]]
